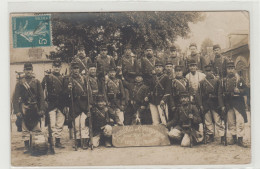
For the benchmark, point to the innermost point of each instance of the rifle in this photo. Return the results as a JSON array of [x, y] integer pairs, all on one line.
[[224, 113], [90, 119], [48, 117], [73, 114], [190, 132], [18, 121], [203, 119], [163, 107]]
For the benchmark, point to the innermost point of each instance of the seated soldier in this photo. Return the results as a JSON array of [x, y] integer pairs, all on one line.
[[186, 116], [103, 119]]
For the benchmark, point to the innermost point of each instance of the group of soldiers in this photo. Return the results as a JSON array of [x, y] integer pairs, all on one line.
[[189, 97]]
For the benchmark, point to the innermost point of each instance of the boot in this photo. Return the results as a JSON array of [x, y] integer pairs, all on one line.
[[234, 140], [108, 142], [27, 147], [240, 142], [85, 143], [210, 138], [58, 143], [78, 143]]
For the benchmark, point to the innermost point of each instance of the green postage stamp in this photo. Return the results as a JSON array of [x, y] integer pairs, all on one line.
[[31, 31]]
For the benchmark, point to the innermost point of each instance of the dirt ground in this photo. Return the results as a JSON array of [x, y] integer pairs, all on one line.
[[209, 154]]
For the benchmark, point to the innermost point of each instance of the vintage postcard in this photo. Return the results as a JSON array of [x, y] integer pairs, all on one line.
[[130, 88]]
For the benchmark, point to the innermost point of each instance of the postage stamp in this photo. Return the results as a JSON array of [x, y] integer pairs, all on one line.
[[31, 31]]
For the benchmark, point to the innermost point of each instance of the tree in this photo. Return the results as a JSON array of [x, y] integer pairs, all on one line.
[[118, 29]]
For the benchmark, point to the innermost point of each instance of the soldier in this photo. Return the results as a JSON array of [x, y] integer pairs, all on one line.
[[231, 99], [173, 57], [200, 61], [103, 119], [148, 65], [138, 101], [115, 94], [52, 83], [209, 103], [104, 62], [160, 94], [28, 102], [169, 70], [82, 59], [219, 63], [76, 87], [185, 123]]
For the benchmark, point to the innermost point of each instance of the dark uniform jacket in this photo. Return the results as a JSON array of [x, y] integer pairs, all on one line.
[[179, 85], [53, 83], [181, 115], [219, 65], [129, 68], [160, 89], [201, 62], [137, 93], [228, 98], [101, 117], [209, 93], [174, 60], [29, 93], [103, 64], [83, 63], [115, 93], [147, 67], [80, 91]]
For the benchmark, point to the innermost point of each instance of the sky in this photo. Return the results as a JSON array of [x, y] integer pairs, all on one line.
[[216, 26]]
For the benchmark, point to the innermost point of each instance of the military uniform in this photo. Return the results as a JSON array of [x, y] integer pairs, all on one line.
[[104, 63], [147, 69], [209, 101], [234, 103], [116, 95], [180, 123], [219, 64], [81, 96], [103, 119], [160, 91], [28, 102], [83, 62], [138, 92], [129, 68]]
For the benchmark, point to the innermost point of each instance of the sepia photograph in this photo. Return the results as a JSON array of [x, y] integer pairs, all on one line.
[[130, 88]]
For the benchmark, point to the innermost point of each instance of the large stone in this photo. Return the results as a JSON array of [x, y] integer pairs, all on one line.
[[140, 135]]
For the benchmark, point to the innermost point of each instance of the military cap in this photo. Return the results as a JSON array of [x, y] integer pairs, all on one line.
[[193, 44], [168, 62], [28, 66], [216, 46], [158, 63], [100, 98], [90, 65], [56, 63], [148, 46], [230, 64], [178, 67], [173, 48], [192, 62], [208, 67], [74, 64]]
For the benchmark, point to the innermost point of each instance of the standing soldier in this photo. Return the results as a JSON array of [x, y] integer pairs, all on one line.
[[115, 94], [138, 101], [148, 65], [219, 63], [209, 102], [53, 84], [194, 55], [160, 94], [28, 101], [82, 59], [169, 70], [231, 99], [173, 57], [184, 125], [104, 118], [76, 87]]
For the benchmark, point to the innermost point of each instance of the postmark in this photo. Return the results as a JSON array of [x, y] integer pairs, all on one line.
[[31, 31]]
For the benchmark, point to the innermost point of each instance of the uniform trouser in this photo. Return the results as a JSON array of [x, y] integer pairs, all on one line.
[[236, 123], [57, 119], [220, 127], [96, 139], [26, 132], [158, 114], [82, 131], [178, 134], [120, 115]]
